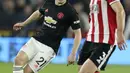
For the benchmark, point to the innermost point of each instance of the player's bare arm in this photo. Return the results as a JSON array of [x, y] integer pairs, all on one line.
[[120, 16], [77, 39], [35, 16]]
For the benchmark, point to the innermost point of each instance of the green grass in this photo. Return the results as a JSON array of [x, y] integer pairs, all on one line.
[[62, 68]]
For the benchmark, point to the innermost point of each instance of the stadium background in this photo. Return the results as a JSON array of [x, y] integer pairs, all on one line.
[[12, 11]]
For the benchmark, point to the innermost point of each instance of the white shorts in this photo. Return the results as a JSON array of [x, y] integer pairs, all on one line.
[[39, 54]]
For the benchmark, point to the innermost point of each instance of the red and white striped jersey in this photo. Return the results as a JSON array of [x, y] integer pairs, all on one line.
[[103, 23]]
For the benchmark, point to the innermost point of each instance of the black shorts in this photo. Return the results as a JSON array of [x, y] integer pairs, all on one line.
[[99, 53]]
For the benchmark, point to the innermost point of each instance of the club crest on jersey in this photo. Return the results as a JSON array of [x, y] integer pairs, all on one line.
[[50, 20], [94, 8], [60, 15], [46, 10]]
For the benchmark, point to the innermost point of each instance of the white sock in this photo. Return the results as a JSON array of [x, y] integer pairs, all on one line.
[[18, 69], [21, 71]]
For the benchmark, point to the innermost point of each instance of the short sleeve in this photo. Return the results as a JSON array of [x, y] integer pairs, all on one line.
[[112, 1], [75, 21], [42, 10]]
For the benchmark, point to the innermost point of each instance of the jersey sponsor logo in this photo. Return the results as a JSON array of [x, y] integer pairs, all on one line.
[[50, 20], [76, 22], [48, 25], [101, 58], [60, 15]]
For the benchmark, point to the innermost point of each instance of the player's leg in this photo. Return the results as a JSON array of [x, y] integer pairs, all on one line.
[[27, 69], [88, 67], [41, 58], [25, 54], [20, 60], [97, 59], [84, 53]]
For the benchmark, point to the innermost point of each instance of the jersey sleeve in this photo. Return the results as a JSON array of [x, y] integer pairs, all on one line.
[[42, 10], [75, 21], [112, 1]]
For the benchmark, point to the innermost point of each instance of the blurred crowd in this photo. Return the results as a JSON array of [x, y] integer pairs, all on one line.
[[13, 11]]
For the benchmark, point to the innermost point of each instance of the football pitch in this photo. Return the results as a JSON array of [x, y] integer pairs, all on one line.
[[62, 68]]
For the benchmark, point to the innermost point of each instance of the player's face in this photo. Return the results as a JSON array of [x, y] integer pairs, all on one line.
[[60, 2]]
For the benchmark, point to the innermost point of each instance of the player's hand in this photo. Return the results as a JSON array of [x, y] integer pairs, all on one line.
[[121, 41], [71, 59], [17, 26]]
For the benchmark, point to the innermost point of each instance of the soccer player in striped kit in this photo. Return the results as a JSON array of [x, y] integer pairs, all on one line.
[[107, 21]]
